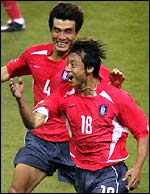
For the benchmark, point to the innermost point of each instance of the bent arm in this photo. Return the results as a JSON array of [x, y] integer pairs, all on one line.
[[142, 150], [29, 118], [116, 78], [135, 171], [4, 74]]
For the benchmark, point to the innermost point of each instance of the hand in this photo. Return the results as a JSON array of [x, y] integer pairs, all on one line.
[[116, 78], [135, 178], [16, 88]]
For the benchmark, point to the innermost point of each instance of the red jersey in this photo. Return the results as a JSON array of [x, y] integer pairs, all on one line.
[[47, 76], [98, 124]]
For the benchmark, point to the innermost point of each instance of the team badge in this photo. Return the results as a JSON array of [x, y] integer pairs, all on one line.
[[103, 109], [64, 75]]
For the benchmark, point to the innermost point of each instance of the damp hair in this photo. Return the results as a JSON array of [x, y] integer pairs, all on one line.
[[91, 52]]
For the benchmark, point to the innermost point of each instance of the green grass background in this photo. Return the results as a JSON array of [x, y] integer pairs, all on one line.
[[123, 26]]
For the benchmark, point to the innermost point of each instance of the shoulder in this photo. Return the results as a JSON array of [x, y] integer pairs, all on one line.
[[104, 68], [40, 48], [104, 72], [65, 89], [118, 95]]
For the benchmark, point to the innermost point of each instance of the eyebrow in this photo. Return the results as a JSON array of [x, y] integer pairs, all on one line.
[[69, 28]]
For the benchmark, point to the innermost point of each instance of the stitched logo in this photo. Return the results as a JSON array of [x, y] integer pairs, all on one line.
[[103, 109], [64, 75]]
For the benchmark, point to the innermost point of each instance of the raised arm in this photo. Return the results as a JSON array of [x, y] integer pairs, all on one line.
[[116, 78], [30, 119], [4, 74]]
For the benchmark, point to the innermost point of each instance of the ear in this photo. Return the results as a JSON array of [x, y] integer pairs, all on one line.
[[90, 70]]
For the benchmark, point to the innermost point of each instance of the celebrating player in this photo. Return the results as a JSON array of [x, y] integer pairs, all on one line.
[[46, 63], [98, 116]]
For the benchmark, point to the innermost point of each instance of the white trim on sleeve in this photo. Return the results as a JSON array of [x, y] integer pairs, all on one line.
[[44, 111]]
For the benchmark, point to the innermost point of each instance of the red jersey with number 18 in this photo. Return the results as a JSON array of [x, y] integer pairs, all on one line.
[[98, 124]]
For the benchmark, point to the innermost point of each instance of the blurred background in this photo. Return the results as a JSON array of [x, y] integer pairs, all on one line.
[[123, 26]]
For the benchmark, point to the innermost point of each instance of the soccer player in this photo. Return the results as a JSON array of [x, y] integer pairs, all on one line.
[[98, 115], [16, 21], [46, 63]]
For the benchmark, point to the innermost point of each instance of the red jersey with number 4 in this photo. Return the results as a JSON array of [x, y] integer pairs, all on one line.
[[98, 124], [47, 76]]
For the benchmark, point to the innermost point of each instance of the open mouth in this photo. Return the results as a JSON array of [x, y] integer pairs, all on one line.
[[70, 77], [61, 44]]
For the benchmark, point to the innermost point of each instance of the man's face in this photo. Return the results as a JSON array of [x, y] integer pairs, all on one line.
[[63, 34], [77, 74]]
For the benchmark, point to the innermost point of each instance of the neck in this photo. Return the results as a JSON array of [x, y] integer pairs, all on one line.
[[89, 89]]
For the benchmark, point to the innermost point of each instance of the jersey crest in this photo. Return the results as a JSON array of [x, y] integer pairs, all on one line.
[[103, 109], [64, 75]]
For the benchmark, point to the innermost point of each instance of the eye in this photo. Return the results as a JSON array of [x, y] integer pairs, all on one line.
[[57, 30], [68, 31], [73, 65]]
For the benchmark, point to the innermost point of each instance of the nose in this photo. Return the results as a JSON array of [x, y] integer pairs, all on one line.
[[68, 67], [61, 35]]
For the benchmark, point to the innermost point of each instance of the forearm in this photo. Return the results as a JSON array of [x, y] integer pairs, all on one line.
[[29, 118], [117, 85], [142, 150], [134, 173], [26, 114]]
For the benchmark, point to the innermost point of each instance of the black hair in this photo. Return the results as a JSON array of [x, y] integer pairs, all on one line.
[[91, 53], [67, 11]]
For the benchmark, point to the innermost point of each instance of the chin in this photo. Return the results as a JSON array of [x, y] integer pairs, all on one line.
[[72, 84], [62, 49]]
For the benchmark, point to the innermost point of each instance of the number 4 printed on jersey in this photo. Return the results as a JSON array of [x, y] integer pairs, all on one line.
[[47, 88]]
